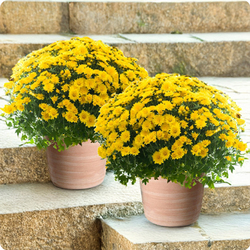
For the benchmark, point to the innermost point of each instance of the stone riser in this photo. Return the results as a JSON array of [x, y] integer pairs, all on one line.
[[186, 55], [22, 165], [64, 229], [123, 17]]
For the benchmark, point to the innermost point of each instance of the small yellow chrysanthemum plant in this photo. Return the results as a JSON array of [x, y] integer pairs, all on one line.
[[172, 126], [56, 92]]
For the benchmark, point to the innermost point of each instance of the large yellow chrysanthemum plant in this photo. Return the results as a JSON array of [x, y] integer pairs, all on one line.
[[172, 126], [56, 92]]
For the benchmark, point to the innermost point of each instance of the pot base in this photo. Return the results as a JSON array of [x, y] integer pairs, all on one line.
[[171, 205], [79, 167]]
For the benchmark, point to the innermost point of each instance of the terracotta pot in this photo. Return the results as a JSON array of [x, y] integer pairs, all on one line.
[[78, 167], [170, 204]]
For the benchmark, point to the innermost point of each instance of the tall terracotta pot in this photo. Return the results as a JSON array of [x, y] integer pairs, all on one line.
[[78, 167], [170, 204]]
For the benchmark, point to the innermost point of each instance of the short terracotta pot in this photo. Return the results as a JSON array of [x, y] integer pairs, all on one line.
[[169, 204], [78, 167]]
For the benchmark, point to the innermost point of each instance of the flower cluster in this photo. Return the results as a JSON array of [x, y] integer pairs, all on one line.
[[57, 91], [172, 126]]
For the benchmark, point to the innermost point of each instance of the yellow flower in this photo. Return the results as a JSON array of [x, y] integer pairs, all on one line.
[[204, 152], [124, 79], [113, 136], [20, 106], [223, 137], [45, 116], [65, 87], [88, 72], [196, 149], [200, 123], [71, 117], [184, 124], [102, 152], [39, 96], [230, 142], [145, 112], [194, 115], [138, 141], [157, 158], [169, 118], [241, 145], [9, 85], [49, 87], [178, 154], [118, 145], [168, 105], [165, 153], [90, 121], [83, 116], [125, 136], [158, 120], [73, 93], [125, 151], [175, 130], [195, 135], [102, 89], [147, 125], [8, 109], [54, 99], [240, 121], [131, 75], [159, 135], [53, 113], [134, 151], [80, 69]]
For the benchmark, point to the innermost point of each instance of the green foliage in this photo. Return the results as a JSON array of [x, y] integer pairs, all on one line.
[[173, 126], [56, 92]]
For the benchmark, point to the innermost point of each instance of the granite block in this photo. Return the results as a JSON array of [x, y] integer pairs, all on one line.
[[34, 17], [158, 17]]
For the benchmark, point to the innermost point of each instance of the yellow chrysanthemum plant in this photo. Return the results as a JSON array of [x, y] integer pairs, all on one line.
[[56, 92], [172, 126]]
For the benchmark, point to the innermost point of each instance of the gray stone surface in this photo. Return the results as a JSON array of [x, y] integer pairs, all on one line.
[[34, 17], [36, 196], [158, 16], [112, 17], [224, 231], [216, 54], [65, 228]]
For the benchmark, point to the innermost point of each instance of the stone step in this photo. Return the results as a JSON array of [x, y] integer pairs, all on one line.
[[42, 216], [27, 164], [210, 232], [112, 17], [199, 54]]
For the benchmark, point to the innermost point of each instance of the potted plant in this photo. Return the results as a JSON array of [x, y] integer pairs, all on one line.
[[55, 97], [176, 134]]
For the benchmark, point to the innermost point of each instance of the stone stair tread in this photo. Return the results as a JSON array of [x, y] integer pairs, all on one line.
[[50, 38], [208, 228], [18, 198], [128, 38], [27, 197], [189, 38]]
